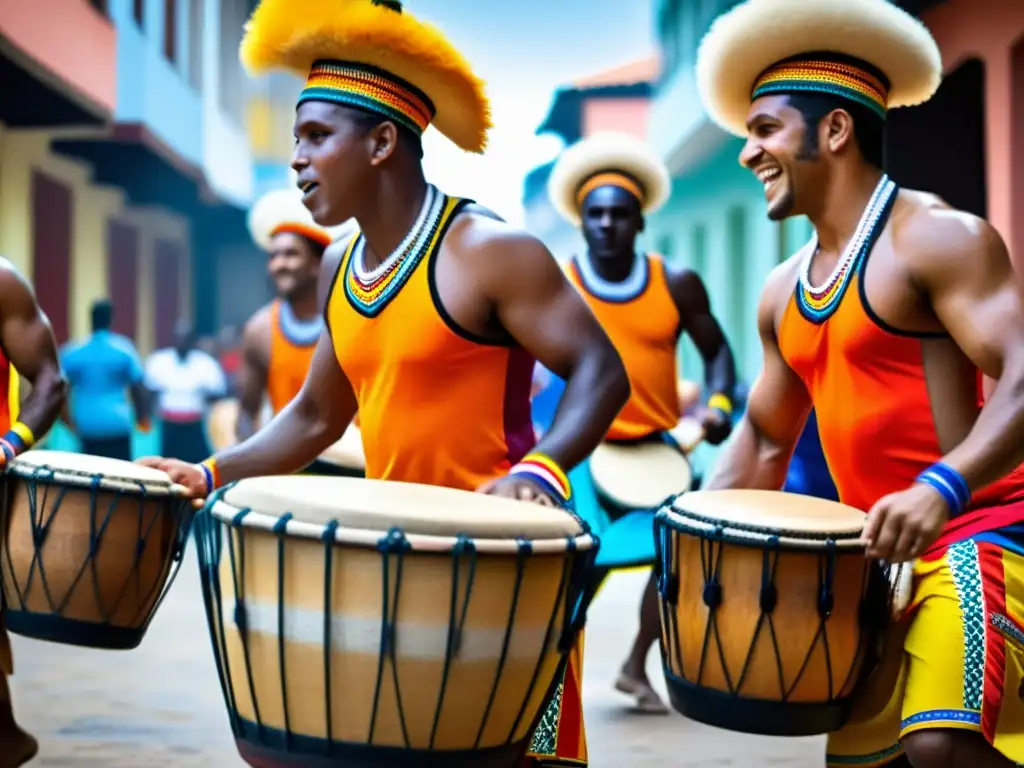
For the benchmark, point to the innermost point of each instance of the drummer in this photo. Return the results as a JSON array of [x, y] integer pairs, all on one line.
[[880, 325], [436, 310], [28, 348], [606, 184]]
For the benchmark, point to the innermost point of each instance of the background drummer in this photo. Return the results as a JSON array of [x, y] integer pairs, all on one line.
[[279, 339], [27, 347], [436, 310], [880, 324], [605, 184]]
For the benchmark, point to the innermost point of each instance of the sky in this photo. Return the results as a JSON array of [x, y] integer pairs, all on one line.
[[525, 49]]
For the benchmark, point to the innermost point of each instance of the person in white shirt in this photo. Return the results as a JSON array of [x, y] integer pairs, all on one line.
[[184, 380]]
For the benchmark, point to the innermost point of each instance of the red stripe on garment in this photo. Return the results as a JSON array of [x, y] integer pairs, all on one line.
[[993, 579]]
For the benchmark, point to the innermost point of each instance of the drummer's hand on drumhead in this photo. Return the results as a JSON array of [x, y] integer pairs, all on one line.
[[520, 488], [902, 525], [185, 474], [717, 425]]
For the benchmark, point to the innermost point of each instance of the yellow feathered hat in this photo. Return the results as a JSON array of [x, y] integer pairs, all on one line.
[[607, 159], [785, 46], [373, 55], [282, 211]]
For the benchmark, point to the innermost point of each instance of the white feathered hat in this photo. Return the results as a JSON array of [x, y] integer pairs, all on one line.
[[607, 159], [742, 46], [282, 210]]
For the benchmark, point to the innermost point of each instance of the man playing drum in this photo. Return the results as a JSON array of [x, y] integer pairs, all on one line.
[[28, 348], [880, 324], [606, 184], [436, 310], [279, 339]]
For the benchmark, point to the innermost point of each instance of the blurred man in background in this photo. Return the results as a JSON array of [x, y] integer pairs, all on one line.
[[108, 394]]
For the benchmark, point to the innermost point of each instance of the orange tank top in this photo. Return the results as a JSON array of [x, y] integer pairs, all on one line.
[[642, 321], [867, 384], [437, 405], [10, 397], [290, 356]]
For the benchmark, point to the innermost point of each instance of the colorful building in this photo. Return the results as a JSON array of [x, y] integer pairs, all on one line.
[[124, 166], [617, 99]]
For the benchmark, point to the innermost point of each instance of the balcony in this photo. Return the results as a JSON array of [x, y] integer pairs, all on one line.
[[56, 74]]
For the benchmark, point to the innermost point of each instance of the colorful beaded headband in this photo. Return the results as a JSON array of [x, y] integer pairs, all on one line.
[[369, 88], [823, 76], [610, 179], [315, 234]]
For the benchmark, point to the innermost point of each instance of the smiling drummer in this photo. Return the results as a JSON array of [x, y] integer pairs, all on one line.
[[436, 310], [606, 184], [880, 323]]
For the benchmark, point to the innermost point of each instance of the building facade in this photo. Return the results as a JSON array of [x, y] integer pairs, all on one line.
[[125, 171], [617, 99]]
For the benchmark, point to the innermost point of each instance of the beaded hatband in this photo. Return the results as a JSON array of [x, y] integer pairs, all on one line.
[[822, 76], [369, 291], [371, 89], [610, 179], [315, 234], [818, 303]]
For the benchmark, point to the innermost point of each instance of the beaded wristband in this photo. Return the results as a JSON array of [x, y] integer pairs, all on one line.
[[209, 467], [950, 484], [720, 402], [544, 469], [24, 431]]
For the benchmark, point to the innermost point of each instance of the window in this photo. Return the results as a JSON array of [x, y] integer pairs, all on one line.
[[139, 13], [195, 50], [171, 30]]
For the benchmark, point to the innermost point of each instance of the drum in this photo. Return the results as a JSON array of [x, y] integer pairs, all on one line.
[[343, 459], [771, 614], [369, 623], [90, 547], [631, 481]]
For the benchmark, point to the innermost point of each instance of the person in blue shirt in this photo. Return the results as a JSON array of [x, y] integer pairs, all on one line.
[[108, 393]]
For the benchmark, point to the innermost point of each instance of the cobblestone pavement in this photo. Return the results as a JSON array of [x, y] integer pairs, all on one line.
[[160, 706]]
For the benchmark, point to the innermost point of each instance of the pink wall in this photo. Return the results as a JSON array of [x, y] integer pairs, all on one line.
[[988, 30], [80, 50], [626, 115]]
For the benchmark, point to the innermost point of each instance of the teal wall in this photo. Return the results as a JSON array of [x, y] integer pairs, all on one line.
[[715, 224]]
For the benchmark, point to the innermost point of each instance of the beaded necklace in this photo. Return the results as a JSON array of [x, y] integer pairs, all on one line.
[[302, 333], [370, 290], [624, 291], [819, 303]]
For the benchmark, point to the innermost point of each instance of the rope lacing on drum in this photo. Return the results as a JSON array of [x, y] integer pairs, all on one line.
[[464, 547], [40, 528], [280, 530], [393, 543], [768, 599], [524, 548], [711, 566], [328, 537]]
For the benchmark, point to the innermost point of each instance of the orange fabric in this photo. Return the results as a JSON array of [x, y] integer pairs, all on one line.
[[289, 363], [645, 331], [435, 406], [874, 413]]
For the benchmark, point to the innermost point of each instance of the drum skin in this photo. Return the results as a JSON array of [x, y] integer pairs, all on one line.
[[388, 650], [760, 636], [85, 566]]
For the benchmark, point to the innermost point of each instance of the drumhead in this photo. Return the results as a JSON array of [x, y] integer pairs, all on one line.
[[773, 512], [81, 469], [639, 475], [348, 451], [689, 433], [378, 505]]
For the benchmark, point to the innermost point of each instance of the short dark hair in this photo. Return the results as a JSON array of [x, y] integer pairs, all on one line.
[[102, 315], [315, 247], [868, 127], [367, 121]]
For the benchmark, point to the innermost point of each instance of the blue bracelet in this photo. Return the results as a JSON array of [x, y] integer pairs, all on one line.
[[209, 477], [950, 484]]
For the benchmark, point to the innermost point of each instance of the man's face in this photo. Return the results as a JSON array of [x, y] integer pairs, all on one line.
[[776, 153], [332, 160], [293, 265], [611, 220]]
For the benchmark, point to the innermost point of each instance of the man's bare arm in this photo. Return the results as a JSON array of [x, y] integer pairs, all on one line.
[[962, 264], [543, 313], [759, 451], [252, 375], [691, 299], [27, 339]]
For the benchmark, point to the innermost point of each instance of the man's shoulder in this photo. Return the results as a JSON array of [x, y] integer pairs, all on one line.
[[928, 230]]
